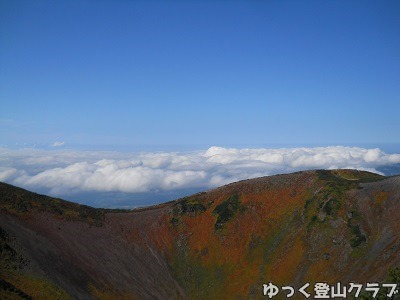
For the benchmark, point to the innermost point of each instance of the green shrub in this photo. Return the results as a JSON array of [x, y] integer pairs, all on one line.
[[226, 210]]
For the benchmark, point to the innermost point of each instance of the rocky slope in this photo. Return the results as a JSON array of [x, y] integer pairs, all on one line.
[[312, 226]]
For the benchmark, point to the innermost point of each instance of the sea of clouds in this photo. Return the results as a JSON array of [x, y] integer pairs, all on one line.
[[61, 172]]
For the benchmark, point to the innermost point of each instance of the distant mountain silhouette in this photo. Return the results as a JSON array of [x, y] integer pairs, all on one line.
[[312, 226]]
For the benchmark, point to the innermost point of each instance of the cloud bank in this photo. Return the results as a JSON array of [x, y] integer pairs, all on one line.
[[68, 172]]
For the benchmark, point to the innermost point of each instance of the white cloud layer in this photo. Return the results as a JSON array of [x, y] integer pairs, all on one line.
[[64, 172]]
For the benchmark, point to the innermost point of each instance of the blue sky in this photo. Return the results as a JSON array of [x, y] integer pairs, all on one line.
[[195, 74]]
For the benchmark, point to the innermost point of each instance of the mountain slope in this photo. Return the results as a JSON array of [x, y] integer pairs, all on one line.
[[225, 243]]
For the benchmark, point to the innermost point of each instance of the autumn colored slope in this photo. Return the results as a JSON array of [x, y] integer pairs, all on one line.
[[340, 225]]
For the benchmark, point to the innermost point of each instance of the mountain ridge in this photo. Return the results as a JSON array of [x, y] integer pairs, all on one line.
[[222, 243]]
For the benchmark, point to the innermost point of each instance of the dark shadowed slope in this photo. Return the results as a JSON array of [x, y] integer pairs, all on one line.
[[289, 229], [60, 248]]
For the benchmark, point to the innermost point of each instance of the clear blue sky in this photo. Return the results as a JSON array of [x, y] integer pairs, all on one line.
[[199, 73]]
